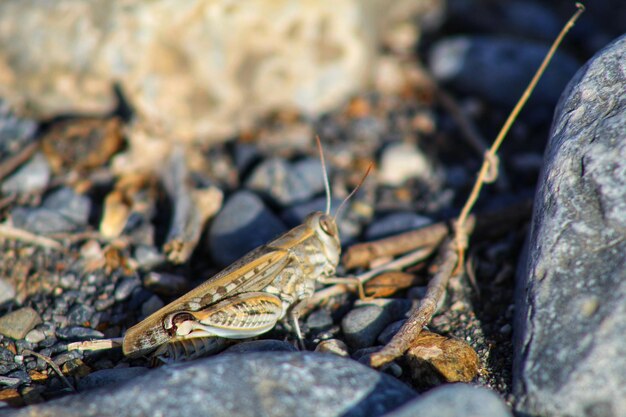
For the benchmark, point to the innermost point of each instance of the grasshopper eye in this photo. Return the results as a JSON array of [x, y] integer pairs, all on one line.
[[326, 223]]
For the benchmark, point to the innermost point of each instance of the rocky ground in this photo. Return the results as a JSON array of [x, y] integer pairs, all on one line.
[[104, 250]]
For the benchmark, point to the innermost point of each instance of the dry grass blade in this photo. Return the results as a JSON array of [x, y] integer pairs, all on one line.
[[452, 253], [10, 232], [53, 365], [488, 171]]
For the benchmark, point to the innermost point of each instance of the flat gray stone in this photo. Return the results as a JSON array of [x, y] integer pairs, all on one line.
[[279, 384], [362, 325], [455, 400], [243, 224], [570, 350]]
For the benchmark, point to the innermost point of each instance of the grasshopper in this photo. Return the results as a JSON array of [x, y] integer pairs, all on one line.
[[250, 296]]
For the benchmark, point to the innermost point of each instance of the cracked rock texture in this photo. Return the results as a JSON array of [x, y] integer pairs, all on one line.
[[571, 296]]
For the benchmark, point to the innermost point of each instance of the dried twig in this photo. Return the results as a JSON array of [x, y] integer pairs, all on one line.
[[492, 222], [421, 316], [362, 254], [395, 265], [192, 208], [10, 232], [99, 344], [452, 254], [53, 365], [13, 162], [489, 171]]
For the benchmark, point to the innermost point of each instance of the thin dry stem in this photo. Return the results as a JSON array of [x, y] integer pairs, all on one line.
[[411, 329], [488, 171], [53, 365], [13, 233]]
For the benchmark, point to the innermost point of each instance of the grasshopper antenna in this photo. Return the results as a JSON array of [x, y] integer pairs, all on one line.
[[324, 172], [343, 203]]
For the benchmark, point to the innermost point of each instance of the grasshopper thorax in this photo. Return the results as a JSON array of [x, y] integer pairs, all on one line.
[[325, 228]]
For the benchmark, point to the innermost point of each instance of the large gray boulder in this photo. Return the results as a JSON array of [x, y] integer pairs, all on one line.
[[570, 345]]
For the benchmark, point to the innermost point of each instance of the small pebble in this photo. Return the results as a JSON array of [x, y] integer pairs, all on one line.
[[402, 161], [506, 329], [35, 336], [319, 320], [80, 314], [30, 178], [7, 290], [287, 183], [78, 332], [148, 257], [125, 287], [18, 323], [334, 346]]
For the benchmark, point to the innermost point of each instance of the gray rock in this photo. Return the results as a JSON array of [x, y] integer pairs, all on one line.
[[362, 325], [268, 345], [287, 183], [395, 223], [32, 177], [389, 332], [319, 320], [7, 290], [256, 66], [35, 336], [570, 355], [62, 211], [80, 314], [113, 376], [499, 69], [455, 400], [243, 224], [78, 332], [14, 130], [259, 384], [148, 257], [125, 287], [18, 323]]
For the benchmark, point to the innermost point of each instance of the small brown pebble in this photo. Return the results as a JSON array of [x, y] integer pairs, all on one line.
[[76, 367], [37, 376], [334, 346], [435, 359], [11, 397], [18, 323]]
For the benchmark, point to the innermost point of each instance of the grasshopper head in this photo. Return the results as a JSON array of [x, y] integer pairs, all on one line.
[[325, 228]]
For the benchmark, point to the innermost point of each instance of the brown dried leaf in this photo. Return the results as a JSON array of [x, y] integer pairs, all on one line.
[[82, 144], [388, 283], [12, 397]]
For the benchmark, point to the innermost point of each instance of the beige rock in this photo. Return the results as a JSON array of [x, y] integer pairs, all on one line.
[[198, 69]]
